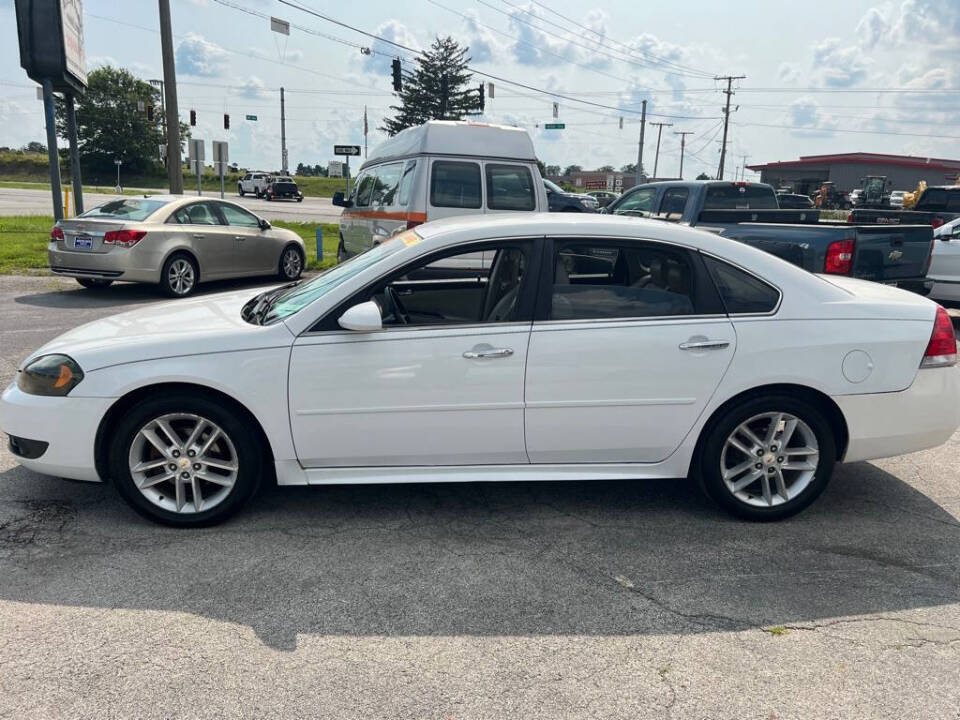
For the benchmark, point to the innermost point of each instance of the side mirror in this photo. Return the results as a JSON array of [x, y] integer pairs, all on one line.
[[339, 200], [264, 225], [364, 317]]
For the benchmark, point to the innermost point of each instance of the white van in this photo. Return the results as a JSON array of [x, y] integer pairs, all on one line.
[[439, 169]]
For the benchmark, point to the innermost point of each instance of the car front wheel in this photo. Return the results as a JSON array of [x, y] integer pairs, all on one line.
[[768, 458], [185, 460], [240, 190]]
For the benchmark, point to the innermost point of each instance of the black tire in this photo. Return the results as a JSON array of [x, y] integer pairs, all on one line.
[[300, 199], [269, 197], [167, 285], [288, 273], [256, 193], [246, 444], [709, 465], [240, 190], [94, 283]]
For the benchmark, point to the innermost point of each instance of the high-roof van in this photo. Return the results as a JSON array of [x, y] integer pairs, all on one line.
[[440, 169]]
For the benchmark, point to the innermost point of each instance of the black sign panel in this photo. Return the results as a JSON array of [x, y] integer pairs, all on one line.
[[51, 42], [346, 149]]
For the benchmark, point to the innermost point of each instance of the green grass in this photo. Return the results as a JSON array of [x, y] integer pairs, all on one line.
[[776, 630], [27, 185], [23, 243]]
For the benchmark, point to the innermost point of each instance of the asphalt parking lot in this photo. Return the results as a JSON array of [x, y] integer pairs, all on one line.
[[522, 600]]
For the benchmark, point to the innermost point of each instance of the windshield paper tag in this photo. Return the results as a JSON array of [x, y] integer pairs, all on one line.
[[409, 238]]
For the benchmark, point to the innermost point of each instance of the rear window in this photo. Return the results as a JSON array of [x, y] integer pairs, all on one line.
[[742, 293], [128, 209], [510, 187], [939, 199], [740, 197], [455, 185]]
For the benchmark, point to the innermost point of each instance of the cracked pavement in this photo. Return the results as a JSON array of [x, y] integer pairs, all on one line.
[[515, 600]]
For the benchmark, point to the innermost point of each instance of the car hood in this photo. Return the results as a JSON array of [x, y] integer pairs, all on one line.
[[194, 326]]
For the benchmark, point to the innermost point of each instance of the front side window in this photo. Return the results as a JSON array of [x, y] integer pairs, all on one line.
[[640, 201], [455, 185], [386, 183], [364, 189], [238, 216], [674, 201], [741, 292], [510, 187], [593, 281]]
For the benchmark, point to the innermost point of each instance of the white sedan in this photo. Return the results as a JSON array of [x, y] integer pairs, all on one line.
[[945, 262], [585, 348]]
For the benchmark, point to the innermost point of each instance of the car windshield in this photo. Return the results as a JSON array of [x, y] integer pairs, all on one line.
[[128, 209], [297, 297], [553, 187]]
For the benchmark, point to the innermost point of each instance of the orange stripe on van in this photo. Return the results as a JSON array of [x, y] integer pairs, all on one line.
[[381, 215]]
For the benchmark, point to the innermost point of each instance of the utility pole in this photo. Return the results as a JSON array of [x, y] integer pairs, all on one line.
[[643, 125], [283, 133], [743, 167], [656, 158], [726, 117], [683, 145], [174, 170], [74, 153]]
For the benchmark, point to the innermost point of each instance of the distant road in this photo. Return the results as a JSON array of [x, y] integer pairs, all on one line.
[[14, 201]]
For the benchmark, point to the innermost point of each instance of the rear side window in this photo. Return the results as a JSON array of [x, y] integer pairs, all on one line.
[[455, 185], [674, 201], [406, 182], [741, 292], [730, 196], [386, 183], [510, 187]]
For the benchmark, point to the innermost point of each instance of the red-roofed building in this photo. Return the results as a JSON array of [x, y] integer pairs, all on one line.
[[846, 169]]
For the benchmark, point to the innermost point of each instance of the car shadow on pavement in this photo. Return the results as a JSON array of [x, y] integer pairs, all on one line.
[[72, 296], [577, 558]]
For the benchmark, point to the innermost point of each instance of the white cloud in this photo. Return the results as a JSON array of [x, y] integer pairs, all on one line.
[[805, 112], [253, 88], [788, 73], [198, 56], [836, 65], [379, 62], [872, 28]]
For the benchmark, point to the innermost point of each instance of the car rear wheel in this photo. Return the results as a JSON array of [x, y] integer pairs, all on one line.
[[240, 190], [291, 263], [768, 458], [184, 460], [94, 283], [179, 276]]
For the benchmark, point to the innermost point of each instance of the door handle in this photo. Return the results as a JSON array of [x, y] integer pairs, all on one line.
[[198, 236], [239, 237], [705, 345], [485, 351]]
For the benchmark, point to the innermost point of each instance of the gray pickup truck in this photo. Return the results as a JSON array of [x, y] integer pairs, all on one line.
[[749, 212]]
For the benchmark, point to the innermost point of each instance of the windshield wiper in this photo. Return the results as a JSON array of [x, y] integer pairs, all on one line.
[[266, 301]]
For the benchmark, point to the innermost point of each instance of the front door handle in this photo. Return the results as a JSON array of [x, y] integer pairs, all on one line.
[[239, 237], [705, 345], [486, 351], [198, 236]]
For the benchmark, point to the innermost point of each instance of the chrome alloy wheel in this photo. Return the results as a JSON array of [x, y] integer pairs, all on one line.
[[291, 263], [183, 463], [769, 459], [180, 276]]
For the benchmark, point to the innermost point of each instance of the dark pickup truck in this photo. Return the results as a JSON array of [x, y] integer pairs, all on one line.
[[749, 212], [936, 206]]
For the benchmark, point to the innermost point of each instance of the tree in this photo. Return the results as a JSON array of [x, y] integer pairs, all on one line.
[[35, 147], [553, 170], [704, 176], [571, 169], [605, 168], [111, 126], [629, 168], [422, 96]]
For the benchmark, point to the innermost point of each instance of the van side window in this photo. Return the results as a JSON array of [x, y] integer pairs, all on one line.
[[510, 187], [455, 185], [365, 189], [406, 183], [387, 179]]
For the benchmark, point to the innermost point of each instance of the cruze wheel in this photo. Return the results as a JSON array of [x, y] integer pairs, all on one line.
[[291, 263], [179, 276], [185, 461], [768, 458]]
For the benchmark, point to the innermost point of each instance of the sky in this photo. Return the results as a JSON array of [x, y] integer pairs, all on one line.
[[821, 77]]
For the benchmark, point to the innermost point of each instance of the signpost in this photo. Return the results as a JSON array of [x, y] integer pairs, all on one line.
[[197, 150], [221, 158], [347, 151], [335, 168]]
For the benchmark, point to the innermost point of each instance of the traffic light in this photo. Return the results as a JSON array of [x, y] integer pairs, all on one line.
[[193, 118], [149, 113], [226, 121], [397, 78], [482, 101]]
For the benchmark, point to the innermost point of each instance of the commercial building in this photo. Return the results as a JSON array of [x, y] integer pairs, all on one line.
[[845, 170]]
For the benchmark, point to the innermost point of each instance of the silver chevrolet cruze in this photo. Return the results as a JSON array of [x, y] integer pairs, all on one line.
[[172, 241]]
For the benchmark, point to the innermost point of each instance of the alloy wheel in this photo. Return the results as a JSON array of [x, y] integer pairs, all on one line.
[[769, 459], [183, 463], [180, 276], [291, 263]]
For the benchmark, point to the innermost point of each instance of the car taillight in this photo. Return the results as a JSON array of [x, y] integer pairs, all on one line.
[[936, 222], [942, 349], [850, 218], [839, 257], [56, 233], [123, 238]]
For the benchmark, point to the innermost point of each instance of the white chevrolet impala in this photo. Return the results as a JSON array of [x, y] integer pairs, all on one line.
[[499, 348]]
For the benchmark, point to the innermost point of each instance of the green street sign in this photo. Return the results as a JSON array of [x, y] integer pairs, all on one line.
[[251, 117], [554, 126]]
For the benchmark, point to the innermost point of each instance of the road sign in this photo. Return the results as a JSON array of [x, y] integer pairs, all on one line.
[[554, 126], [346, 149], [335, 168], [197, 149], [252, 118], [220, 152]]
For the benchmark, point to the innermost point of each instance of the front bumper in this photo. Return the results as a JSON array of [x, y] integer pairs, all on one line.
[[68, 424], [923, 416]]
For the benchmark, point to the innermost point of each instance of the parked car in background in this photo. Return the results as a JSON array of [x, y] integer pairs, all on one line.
[[437, 170], [936, 206], [282, 188], [611, 349], [562, 201], [171, 241], [253, 183], [791, 201], [750, 213], [604, 197], [945, 262], [896, 198]]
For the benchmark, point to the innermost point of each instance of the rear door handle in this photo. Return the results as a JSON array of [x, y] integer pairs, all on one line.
[[239, 237], [705, 345], [198, 236], [486, 351]]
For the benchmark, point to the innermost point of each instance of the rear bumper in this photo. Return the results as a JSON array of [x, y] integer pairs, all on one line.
[[923, 416], [68, 426], [113, 265]]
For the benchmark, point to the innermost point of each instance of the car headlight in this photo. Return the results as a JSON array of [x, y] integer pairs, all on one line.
[[53, 375]]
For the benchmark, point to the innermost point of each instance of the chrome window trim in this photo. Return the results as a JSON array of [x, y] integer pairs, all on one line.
[[382, 332], [776, 308], [657, 320]]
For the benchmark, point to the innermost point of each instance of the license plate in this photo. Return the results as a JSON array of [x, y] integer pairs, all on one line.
[[82, 242]]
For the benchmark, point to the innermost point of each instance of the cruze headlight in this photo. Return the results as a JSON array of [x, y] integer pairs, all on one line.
[[50, 375]]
